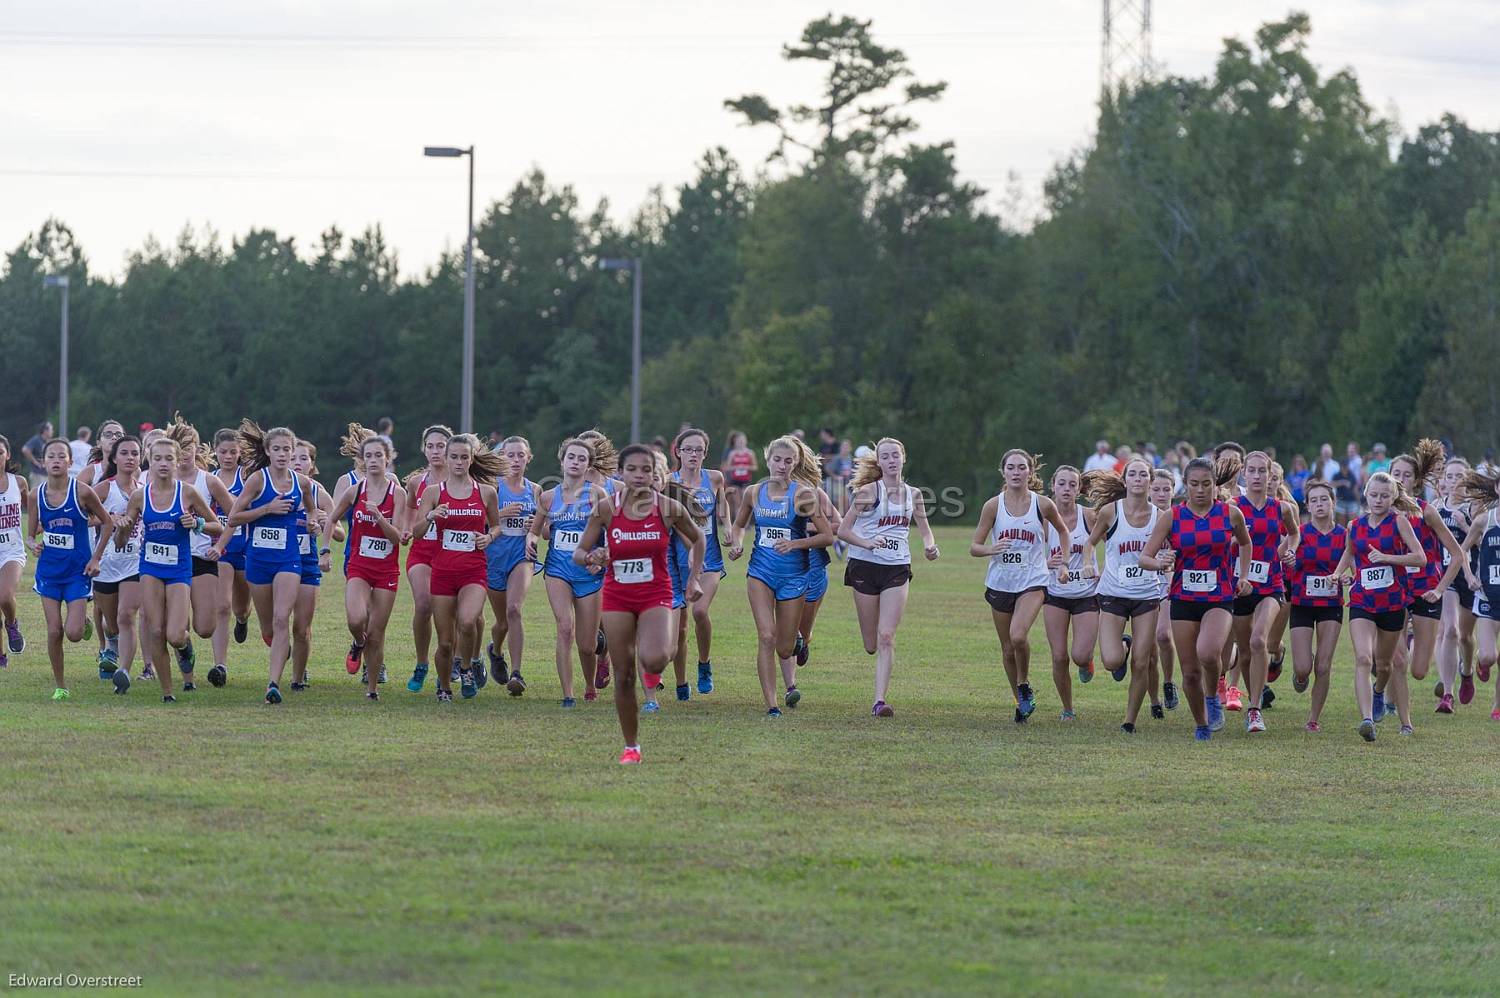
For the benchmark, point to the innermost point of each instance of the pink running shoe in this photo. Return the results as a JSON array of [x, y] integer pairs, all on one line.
[[1495, 714], [590, 695], [1445, 704], [630, 757], [1313, 727], [1466, 689], [1232, 698], [601, 672]]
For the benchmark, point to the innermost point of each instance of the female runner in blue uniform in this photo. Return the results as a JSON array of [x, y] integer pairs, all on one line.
[[273, 496], [314, 536], [65, 562], [690, 448], [511, 562], [234, 591], [782, 507], [169, 512], [192, 471], [572, 589]]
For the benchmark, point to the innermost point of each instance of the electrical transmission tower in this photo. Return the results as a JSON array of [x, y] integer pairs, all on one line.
[[1125, 59]]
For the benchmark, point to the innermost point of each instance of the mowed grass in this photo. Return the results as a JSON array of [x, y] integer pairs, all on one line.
[[333, 845]]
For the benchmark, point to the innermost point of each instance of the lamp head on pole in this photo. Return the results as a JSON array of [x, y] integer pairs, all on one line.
[[616, 263], [55, 281], [445, 151]]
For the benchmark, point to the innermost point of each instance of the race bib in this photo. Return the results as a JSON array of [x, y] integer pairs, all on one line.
[[566, 541], [1010, 557], [431, 534], [458, 540], [1133, 573], [374, 547], [1376, 577], [304, 544], [131, 549], [895, 545], [1323, 586], [1447, 558], [57, 542], [161, 554], [633, 571], [769, 536], [1075, 576], [7, 538], [1260, 571], [268, 537], [515, 526], [1200, 580], [1494, 579]]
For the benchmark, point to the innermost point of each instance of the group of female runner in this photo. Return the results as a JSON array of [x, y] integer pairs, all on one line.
[[176, 539]]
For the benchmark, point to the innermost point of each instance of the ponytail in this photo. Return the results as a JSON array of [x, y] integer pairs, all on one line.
[[1426, 460], [1102, 488], [485, 466], [352, 444], [807, 469], [188, 441], [606, 461], [256, 441], [1479, 490]]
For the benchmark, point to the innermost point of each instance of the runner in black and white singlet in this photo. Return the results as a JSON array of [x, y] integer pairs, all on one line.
[[1455, 649], [882, 510], [1012, 534], [15, 499], [1071, 604], [117, 587]]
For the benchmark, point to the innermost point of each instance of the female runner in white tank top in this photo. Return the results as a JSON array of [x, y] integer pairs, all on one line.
[[1129, 593], [1070, 603], [192, 470], [117, 587], [14, 500], [92, 474], [882, 510], [1012, 533]]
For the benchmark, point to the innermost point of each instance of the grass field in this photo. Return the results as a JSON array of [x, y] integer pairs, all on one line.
[[333, 845]]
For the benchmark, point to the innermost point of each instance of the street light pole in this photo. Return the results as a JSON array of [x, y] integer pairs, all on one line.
[[466, 404], [635, 268], [61, 281]]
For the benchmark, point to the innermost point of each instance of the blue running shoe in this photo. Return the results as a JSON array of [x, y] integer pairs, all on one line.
[[774, 712], [1377, 712], [273, 695], [705, 677], [1027, 702], [1215, 711], [467, 686], [650, 707], [684, 692], [1118, 675], [418, 678], [1202, 733], [569, 702]]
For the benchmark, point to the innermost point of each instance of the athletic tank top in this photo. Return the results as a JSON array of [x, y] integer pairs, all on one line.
[[1453, 520], [887, 525], [201, 542], [1264, 525], [1023, 565], [118, 565], [275, 534], [1377, 588], [566, 523], [777, 520], [428, 538], [1420, 580], [354, 483], [166, 546], [368, 547], [1489, 558], [1311, 581], [713, 558], [1076, 586], [1123, 577], [237, 540], [638, 553], [513, 529], [456, 533], [65, 536], [11, 546], [741, 467], [1204, 571], [307, 544]]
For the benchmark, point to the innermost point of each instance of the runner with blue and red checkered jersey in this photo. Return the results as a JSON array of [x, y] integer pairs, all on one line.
[[1273, 542]]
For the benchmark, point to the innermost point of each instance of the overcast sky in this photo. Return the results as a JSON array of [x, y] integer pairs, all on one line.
[[127, 119]]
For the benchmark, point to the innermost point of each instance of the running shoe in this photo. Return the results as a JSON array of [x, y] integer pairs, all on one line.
[[1483, 668], [590, 695], [186, 658], [1273, 669], [1157, 714], [1367, 729], [467, 686], [1267, 697], [1215, 712], [1127, 728], [453, 676], [265, 636], [218, 676], [1495, 714], [382, 678], [684, 692], [652, 680], [105, 669], [4, 659], [601, 672], [1232, 698], [61, 694], [188, 686], [516, 685], [481, 672], [1466, 688], [1202, 733], [296, 687], [1086, 672], [1312, 727], [13, 637], [1377, 710], [273, 695], [110, 657], [169, 698], [569, 702], [498, 665], [1067, 715], [1253, 720], [1220, 691], [1299, 683], [630, 756], [149, 672], [1169, 695], [418, 678], [1406, 729], [88, 626], [882, 709], [1028, 700], [801, 651], [1445, 705], [372, 694], [351, 660], [1437, 689], [445, 696], [650, 707], [601, 646], [1118, 675], [1020, 717], [773, 712], [705, 677], [121, 679], [241, 629], [793, 696]]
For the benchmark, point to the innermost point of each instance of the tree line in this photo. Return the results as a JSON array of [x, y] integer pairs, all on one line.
[[1255, 253]]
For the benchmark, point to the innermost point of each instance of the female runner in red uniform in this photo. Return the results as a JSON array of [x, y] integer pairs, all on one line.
[[466, 516], [636, 525], [423, 539], [374, 564]]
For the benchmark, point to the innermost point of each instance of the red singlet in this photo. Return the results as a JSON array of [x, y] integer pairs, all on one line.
[[637, 578], [372, 554], [424, 545], [457, 562]]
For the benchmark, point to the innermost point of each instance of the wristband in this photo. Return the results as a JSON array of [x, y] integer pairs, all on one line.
[[198, 522], [326, 551]]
